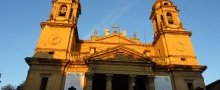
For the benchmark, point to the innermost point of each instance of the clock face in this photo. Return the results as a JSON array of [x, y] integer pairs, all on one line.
[[179, 46], [54, 39]]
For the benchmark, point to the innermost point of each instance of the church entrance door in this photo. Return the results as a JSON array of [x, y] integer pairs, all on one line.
[[99, 82], [120, 82]]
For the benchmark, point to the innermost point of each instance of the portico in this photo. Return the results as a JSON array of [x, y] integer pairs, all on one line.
[[120, 75]]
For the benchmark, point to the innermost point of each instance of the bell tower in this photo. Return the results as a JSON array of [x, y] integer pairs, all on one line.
[[59, 35], [171, 39], [58, 41]]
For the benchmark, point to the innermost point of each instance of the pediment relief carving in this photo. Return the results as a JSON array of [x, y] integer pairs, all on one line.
[[119, 53]]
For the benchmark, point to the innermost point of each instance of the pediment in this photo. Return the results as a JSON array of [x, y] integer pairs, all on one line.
[[117, 39], [119, 53]]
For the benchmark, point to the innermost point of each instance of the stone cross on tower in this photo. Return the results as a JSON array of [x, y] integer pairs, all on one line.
[[115, 27]]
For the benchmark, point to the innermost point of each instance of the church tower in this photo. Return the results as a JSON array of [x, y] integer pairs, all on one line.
[[58, 41], [171, 39], [59, 35]]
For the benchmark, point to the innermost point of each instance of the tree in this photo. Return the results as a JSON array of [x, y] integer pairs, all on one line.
[[21, 86], [8, 87]]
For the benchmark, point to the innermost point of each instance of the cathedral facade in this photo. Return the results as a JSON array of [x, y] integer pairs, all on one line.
[[113, 61]]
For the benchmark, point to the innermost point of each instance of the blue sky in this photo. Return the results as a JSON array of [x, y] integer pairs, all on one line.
[[20, 29]]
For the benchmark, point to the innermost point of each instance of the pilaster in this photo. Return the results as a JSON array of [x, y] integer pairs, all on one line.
[[89, 80], [151, 82]]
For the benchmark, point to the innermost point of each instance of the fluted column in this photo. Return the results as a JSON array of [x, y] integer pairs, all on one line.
[[109, 81], [89, 80], [132, 82]]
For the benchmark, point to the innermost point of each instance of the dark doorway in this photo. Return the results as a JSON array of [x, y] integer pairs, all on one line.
[[99, 82], [120, 82], [141, 83], [43, 85], [72, 88]]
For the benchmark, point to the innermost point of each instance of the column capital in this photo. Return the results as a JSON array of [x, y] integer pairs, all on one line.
[[132, 75], [109, 74], [132, 81], [109, 81], [151, 76], [89, 75]]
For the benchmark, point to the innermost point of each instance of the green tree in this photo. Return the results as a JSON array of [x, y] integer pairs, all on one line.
[[8, 87], [21, 86]]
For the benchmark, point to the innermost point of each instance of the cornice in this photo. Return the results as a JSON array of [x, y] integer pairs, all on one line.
[[89, 41], [57, 24], [195, 68], [44, 61], [121, 62], [172, 32], [49, 49], [51, 62], [189, 56]]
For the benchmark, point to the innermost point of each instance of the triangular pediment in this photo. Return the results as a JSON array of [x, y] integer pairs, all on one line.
[[119, 53], [115, 38]]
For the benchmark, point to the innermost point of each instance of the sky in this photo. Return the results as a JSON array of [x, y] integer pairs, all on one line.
[[20, 29]]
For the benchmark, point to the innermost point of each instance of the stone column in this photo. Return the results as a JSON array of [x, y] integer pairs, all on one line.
[[109, 81], [89, 80], [151, 82], [132, 82]]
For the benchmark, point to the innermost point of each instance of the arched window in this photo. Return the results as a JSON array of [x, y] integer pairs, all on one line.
[[170, 18], [63, 10], [165, 3]]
